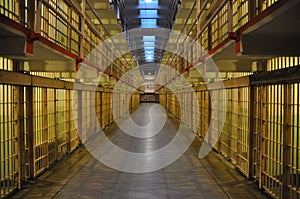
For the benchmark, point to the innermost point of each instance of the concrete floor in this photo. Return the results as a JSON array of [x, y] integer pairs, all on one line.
[[80, 175]]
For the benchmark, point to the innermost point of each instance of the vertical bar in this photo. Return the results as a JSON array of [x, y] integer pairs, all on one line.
[[45, 125], [209, 36], [18, 125], [251, 9], [17, 133], [230, 16], [31, 14], [81, 28], [29, 115], [251, 129], [79, 115], [69, 118], [55, 122], [287, 140], [263, 132], [22, 12]]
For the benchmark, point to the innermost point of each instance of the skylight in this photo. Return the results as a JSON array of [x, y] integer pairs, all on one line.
[[149, 58], [149, 46], [149, 38], [148, 2], [149, 43], [148, 22], [146, 48], [149, 52], [149, 13]]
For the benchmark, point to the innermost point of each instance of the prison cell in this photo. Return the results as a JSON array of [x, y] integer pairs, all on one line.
[[74, 141], [163, 100], [219, 27], [8, 156], [195, 114], [262, 5], [55, 24], [51, 111], [62, 122], [40, 130], [104, 118], [270, 153], [243, 130], [204, 112], [10, 9], [54, 114], [293, 164], [240, 13]]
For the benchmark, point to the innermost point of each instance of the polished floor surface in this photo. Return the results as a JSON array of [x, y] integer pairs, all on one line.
[[80, 175]]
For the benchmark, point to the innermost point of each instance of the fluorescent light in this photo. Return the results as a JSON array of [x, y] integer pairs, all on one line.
[[148, 1]]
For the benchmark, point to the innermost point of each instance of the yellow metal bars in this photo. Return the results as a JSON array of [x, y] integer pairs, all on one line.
[[60, 24], [261, 5], [135, 101], [213, 21], [6, 64], [240, 13], [219, 26], [8, 153], [10, 9], [277, 63], [52, 135], [74, 140], [293, 164], [261, 131], [243, 130], [39, 125], [40, 130], [62, 122]]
